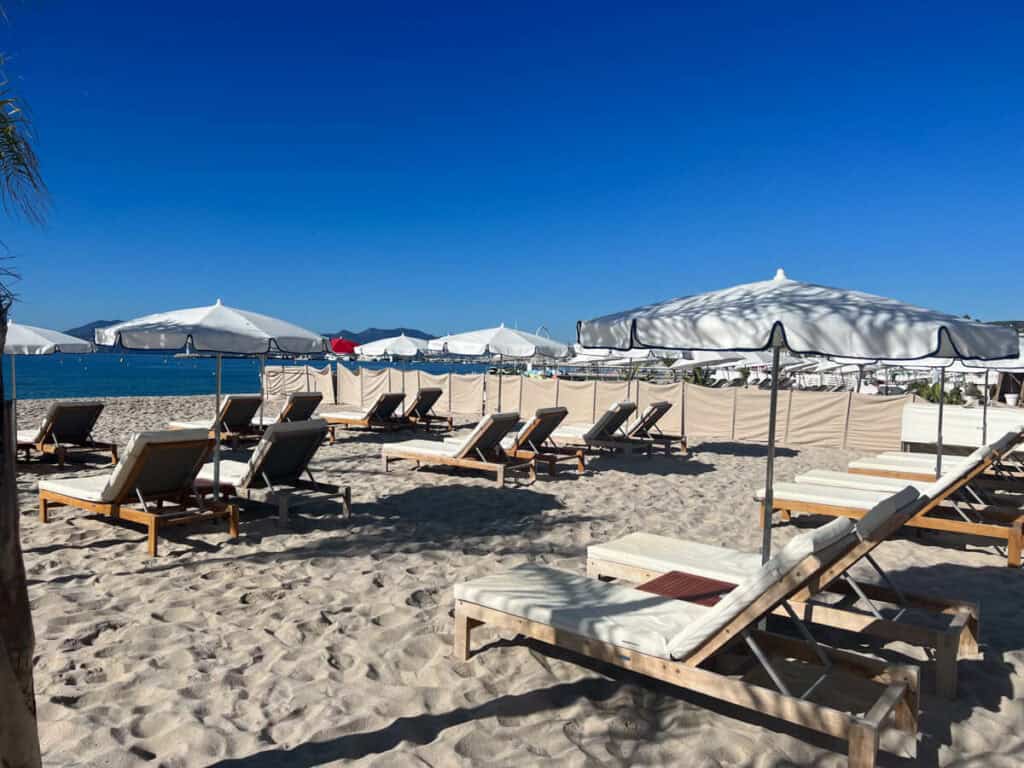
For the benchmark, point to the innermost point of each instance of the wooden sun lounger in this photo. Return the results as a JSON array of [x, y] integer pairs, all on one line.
[[66, 427], [299, 406], [481, 450], [701, 649], [941, 513], [380, 415], [236, 415], [277, 469], [950, 632], [531, 442], [607, 434], [152, 486], [420, 410], [646, 427]]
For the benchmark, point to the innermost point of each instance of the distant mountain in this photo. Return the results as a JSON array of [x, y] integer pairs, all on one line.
[[86, 331], [373, 334], [1017, 325]]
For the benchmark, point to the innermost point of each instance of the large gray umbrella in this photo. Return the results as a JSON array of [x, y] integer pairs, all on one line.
[[803, 318], [215, 329]]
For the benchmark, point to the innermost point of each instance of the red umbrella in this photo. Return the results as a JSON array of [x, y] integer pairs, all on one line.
[[343, 346]]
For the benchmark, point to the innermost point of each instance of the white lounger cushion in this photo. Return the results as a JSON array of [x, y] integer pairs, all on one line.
[[630, 618], [610, 613], [231, 473], [860, 482], [347, 415], [30, 435], [91, 488], [660, 554], [207, 425], [827, 495], [425, 447]]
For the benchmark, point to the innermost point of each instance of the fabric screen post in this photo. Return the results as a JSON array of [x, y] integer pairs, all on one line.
[[846, 421]]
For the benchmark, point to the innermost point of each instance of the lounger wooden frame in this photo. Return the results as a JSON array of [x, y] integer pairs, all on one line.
[[1007, 523], [641, 429], [411, 417], [125, 507], [284, 498], [900, 683], [370, 422], [62, 450], [285, 414], [497, 467], [991, 468]]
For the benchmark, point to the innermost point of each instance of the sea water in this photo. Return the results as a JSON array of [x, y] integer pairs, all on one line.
[[106, 374]]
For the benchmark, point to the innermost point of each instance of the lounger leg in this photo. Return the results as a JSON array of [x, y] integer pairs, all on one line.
[[384, 460], [61, 456], [863, 740], [282, 508], [500, 476], [463, 629], [113, 454], [765, 517], [44, 510], [946, 652], [151, 538], [1014, 539], [348, 501], [552, 467], [233, 520], [580, 464], [684, 447]]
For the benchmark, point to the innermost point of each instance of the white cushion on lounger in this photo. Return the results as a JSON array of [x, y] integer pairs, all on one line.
[[858, 482], [825, 494], [348, 415], [91, 488], [610, 613], [426, 447], [30, 435], [190, 425], [660, 554], [231, 472], [758, 583]]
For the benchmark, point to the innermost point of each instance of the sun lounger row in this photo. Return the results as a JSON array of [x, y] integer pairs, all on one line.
[[678, 629], [67, 427], [164, 479], [240, 418]]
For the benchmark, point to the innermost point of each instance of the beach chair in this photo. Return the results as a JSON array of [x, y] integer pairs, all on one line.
[[605, 434], [153, 485], [300, 406], [66, 427], [947, 510], [420, 410], [236, 414], [948, 629], [531, 440], [480, 450], [712, 647], [646, 427], [277, 469], [379, 415]]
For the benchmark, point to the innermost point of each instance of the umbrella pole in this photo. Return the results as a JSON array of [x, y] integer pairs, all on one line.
[[938, 437], [984, 413], [216, 439], [14, 397], [498, 410], [769, 475], [263, 384]]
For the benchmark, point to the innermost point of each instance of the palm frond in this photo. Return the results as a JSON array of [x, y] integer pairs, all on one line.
[[22, 190]]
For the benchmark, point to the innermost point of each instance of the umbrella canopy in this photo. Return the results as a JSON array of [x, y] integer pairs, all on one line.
[[343, 346], [507, 342], [803, 318], [394, 346], [30, 340], [215, 328]]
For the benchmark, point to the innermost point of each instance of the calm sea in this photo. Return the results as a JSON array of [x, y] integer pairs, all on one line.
[[121, 375]]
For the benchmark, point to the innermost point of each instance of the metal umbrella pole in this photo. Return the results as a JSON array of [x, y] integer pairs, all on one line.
[[938, 437], [14, 397], [216, 438], [769, 475], [984, 413], [263, 384]]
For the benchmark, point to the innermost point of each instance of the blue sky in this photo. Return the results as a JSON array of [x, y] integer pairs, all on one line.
[[453, 167]]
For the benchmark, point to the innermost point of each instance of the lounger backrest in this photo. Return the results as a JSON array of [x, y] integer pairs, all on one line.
[[386, 405], [426, 398], [649, 418], [485, 439], [537, 430], [237, 411], [70, 423], [301, 406], [611, 421], [284, 452], [758, 594], [158, 463]]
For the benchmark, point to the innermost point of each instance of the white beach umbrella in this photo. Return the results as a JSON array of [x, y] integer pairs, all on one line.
[[393, 346], [30, 340], [804, 318], [506, 342], [217, 329]]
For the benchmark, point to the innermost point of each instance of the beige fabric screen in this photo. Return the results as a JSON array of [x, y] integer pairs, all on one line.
[[875, 422], [817, 418], [752, 415], [608, 394], [410, 383], [578, 397], [536, 393], [646, 393], [444, 404], [374, 384], [467, 394], [322, 381], [280, 380], [350, 387], [503, 392], [709, 412]]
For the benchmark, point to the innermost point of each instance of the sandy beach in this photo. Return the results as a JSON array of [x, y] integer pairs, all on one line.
[[329, 641]]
